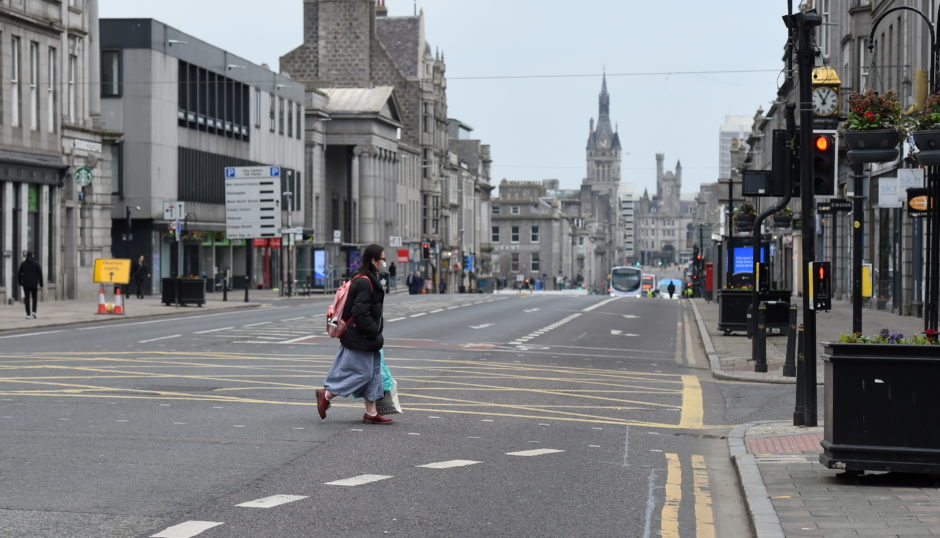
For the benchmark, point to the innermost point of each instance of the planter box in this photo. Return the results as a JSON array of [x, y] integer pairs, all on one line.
[[191, 291], [928, 145], [873, 146], [744, 222], [782, 221], [880, 409]]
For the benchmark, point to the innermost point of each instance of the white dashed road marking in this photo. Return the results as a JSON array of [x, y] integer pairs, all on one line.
[[418, 315], [214, 330], [535, 452], [161, 338], [448, 464], [186, 529], [485, 325], [358, 480], [272, 501]]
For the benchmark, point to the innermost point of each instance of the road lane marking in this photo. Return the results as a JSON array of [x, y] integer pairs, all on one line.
[[29, 334], [160, 338], [418, 315], [704, 517], [626, 448], [480, 326], [187, 529], [358, 480], [669, 518], [535, 452], [213, 330], [650, 504], [436, 311], [600, 304], [692, 415], [529, 310], [448, 464], [272, 501], [257, 324]]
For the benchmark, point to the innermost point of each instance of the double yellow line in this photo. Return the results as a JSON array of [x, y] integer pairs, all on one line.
[[704, 517]]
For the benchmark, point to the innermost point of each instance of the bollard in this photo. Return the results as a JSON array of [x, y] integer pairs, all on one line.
[[789, 365], [760, 339], [225, 288], [799, 410]]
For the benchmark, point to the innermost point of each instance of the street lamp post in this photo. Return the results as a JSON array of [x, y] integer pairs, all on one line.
[[932, 289], [290, 242]]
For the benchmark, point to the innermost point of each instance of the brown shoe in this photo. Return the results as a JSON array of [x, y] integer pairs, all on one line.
[[322, 403], [376, 419]]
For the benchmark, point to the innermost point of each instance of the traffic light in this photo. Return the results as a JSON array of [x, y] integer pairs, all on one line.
[[825, 165], [426, 250], [820, 290]]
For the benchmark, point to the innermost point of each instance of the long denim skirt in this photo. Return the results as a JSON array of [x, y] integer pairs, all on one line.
[[355, 371]]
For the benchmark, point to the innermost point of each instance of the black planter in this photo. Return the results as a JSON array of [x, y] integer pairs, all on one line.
[[928, 145], [873, 145], [744, 222], [782, 221], [183, 291], [879, 411]]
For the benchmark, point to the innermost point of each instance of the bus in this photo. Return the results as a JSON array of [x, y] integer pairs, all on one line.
[[625, 281], [648, 284]]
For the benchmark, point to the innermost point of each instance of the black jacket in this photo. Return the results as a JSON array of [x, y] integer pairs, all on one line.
[[364, 311], [30, 274], [140, 271]]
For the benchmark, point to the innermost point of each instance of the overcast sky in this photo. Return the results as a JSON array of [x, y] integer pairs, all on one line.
[[525, 74]]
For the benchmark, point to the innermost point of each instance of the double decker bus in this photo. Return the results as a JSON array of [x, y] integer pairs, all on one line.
[[625, 281]]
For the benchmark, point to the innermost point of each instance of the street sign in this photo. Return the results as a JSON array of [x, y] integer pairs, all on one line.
[[909, 178], [918, 203], [252, 201], [295, 230], [337, 236], [112, 271], [403, 255], [888, 193], [174, 210], [823, 208], [394, 241], [840, 204]]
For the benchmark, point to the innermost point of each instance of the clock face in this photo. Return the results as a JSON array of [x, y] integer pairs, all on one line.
[[825, 101], [604, 142]]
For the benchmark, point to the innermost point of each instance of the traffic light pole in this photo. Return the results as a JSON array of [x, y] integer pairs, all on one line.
[[805, 23]]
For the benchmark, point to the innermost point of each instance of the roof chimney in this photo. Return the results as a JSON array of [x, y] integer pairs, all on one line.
[[380, 9]]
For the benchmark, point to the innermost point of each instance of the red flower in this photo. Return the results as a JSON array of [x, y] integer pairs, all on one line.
[[870, 116]]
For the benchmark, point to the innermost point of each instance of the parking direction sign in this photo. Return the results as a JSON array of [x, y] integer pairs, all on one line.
[[252, 202]]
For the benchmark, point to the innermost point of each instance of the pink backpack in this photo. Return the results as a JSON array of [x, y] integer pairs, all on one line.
[[335, 324]]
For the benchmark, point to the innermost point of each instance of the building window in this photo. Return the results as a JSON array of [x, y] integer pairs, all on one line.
[[514, 234], [299, 117], [117, 169], [495, 210], [73, 71], [514, 210], [514, 267], [536, 263], [272, 112], [280, 115], [111, 77], [535, 234], [257, 107], [33, 85], [290, 119], [50, 91], [495, 234], [15, 80]]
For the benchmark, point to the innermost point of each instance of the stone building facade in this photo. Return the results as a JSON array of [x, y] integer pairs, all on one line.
[[55, 155], [664, 220]]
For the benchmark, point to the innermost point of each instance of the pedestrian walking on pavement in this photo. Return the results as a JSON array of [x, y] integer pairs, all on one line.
[[141, 274], [443, 286], [356, 368], [391, 273], [671, 289], [30, 278]]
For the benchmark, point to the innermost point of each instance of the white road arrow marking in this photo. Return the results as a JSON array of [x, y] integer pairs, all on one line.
[[621, 333], [630, 316], [480, 326]]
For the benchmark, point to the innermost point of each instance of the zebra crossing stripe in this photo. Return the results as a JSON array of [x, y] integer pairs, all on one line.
[[272, 501], [358, 480], [187, 529]]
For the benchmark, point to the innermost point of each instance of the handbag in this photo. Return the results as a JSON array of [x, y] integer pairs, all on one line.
[[389, 404]]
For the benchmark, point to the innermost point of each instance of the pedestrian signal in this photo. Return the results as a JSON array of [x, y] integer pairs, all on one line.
[[820, 286], [825, 164]]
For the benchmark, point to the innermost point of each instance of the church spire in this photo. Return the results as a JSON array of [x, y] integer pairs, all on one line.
[[604, 102]]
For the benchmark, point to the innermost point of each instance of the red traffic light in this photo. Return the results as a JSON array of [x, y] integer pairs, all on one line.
[[822, 273], [822, 143]]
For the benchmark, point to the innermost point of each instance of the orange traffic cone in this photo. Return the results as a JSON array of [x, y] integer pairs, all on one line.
[[118, 302], [102, 309]]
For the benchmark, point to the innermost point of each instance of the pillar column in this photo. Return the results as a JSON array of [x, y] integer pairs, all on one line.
[[43, 225], [367, 194], [354, 197], [6, 242]]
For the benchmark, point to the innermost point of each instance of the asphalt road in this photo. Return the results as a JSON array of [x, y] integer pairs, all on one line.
[[525, 415]]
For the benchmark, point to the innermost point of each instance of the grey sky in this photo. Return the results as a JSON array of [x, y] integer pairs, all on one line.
[[538, 127]]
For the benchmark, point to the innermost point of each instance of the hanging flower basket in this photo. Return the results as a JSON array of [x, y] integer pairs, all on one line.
[[782, 221], [873, 127], [743, 222], [928, 145]]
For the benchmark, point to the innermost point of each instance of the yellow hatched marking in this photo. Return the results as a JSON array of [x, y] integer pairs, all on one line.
[[669, 517], [704, 517], [692, 410]]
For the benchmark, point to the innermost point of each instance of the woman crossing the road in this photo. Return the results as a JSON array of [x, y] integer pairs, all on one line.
[[356, 368]]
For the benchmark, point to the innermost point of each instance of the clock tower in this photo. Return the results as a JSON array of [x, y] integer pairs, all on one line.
[[603, 145]]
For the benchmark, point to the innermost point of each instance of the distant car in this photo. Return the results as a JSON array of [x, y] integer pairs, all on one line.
[[664, 288]]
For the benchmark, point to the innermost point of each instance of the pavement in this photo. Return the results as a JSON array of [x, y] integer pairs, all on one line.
[[787, 491]]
